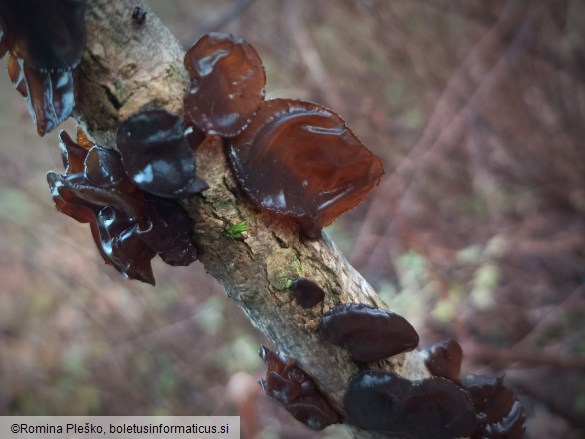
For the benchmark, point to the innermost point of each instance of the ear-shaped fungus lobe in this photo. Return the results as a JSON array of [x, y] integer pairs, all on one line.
[[50, 96], [227, 84], [499, 413], [129, 227], [433, 408], [48, 35], [287, 383], [444, 359], [157, 155], [299, 159], [306, 292], [369, 334]]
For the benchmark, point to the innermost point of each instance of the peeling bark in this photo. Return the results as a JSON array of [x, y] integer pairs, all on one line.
[[128, 67]]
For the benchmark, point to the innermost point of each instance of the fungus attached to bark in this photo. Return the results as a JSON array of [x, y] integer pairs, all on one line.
[[46, 35], [157, 154], [50, 96], [129, 227], [370, 334], [287, 383], [227, 84], [499, 413], [306, 292], [300, 160], [434, 408], [444, 359]]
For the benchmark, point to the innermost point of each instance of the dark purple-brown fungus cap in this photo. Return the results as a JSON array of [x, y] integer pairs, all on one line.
[[157, 154], [500, 415], [300, 160], [434, 408], [287, 383], [47, 35], [306, 292], [369, 334], [444, 359], [50, 96], [129, 227], [227, 84]]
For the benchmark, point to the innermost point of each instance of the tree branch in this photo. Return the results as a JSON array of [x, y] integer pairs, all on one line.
[[128, 67]]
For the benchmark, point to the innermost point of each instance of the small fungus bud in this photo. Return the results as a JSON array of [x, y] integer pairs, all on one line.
[[444, 359], [307, 293]]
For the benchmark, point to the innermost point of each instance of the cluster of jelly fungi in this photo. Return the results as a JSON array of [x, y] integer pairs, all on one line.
[[434, 408], [306, 292], [288, 384], [129, 226], [369, 334], [292, 158], [45, 41]]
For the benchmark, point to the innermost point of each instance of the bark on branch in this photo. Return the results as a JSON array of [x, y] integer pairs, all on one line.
[[128, 67]]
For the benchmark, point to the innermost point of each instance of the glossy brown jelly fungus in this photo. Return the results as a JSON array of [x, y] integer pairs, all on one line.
[[444, 359], [287, 383], [129, 227], [369, 334], [306, 292], [46, 35], [300, 160], [499, 413], [157, 155], [227, 84], [50, 97], [434, 408]]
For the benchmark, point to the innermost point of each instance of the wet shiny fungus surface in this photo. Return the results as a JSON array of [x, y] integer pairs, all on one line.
[[129, 227], [306, 292], [434, 408], [50, 96], [444, 359], [46, 35], [369, 334], [287, 383], [227, 84], [157, 154], [299, 159], [499, 413]]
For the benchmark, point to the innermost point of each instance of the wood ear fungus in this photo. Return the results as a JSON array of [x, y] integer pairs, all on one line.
[[306, 292], [50, 96], [433, 408], [369, 334], [227, 84], [129, 227], [46, 35], [300, 160], [287, 383], [157, 154], [444, 359], [499, 413]]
